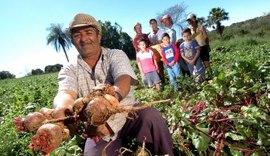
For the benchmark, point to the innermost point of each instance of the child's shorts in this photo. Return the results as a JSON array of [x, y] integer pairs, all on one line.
[[152, 78]]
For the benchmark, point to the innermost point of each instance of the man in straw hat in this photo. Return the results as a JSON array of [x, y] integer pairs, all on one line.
[[97, 65]]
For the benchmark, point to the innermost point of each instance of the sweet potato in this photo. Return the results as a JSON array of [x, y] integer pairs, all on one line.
[[47, 112], [80, 104], [102, 90], [105, 89], [33, 121], [99, 110], [29, 123], [48, 137], [113, 101], [18, 122]]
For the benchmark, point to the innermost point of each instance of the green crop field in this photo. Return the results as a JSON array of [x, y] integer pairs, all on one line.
[[228, 115]]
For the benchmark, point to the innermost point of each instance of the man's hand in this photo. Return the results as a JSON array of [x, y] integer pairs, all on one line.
[[104, 130], [61, 112], [192, 62], [95, 133]]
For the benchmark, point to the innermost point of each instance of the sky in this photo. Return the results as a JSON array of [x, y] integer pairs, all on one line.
[[23, 44]]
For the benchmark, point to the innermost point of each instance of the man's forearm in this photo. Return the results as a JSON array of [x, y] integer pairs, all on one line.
[[64, 99], [123, 85]]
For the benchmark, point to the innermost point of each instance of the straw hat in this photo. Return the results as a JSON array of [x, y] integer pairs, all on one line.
[[81, 20]]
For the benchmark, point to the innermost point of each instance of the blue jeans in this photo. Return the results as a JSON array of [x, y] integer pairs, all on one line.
[[174, 72]]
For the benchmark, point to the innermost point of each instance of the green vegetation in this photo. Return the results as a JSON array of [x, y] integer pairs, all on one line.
[[228, 115], [18, 98]]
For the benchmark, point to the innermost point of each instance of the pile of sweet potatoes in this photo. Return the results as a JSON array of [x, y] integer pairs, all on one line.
[[93, 110], [49, 134]]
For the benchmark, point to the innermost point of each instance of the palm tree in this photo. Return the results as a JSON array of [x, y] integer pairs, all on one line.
[[216, 15], [202, 21], [58, 38]]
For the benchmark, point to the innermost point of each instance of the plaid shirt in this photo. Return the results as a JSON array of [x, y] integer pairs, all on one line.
[[80, 78]]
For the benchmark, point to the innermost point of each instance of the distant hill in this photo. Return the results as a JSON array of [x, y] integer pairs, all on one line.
[[257, 23], [256, 27]]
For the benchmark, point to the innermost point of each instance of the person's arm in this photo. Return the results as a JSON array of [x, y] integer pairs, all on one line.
[[173, 36], [63, 101], [119, 65], [139, 64], [140, 68], [155, 62], [206, 38], [122, 86], [198, 51], [205, 34], [176, 55], [193, 61], [183, 55], [135, 44], [115, 123], [164, 58]]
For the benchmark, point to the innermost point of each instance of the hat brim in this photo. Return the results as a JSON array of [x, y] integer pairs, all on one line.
[[83, 25], [162, 20], [165, 17]]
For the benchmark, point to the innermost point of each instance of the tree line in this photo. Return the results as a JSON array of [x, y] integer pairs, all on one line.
[[38, 71], [47, 69]]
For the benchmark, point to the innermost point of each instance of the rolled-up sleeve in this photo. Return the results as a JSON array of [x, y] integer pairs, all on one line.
[[120, 65], [67, 79]]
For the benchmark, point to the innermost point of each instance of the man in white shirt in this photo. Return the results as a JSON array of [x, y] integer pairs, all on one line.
[[155, 36], [174, 31]]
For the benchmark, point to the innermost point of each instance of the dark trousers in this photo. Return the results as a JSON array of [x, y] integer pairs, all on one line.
[[147, 126], [161, 71], [184, 67]]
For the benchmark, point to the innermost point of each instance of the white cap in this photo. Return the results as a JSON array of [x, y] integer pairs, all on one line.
[[191, 16], [165, 17]]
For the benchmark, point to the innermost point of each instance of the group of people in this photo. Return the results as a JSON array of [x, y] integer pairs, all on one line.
[[98, 65], [179, 51]]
